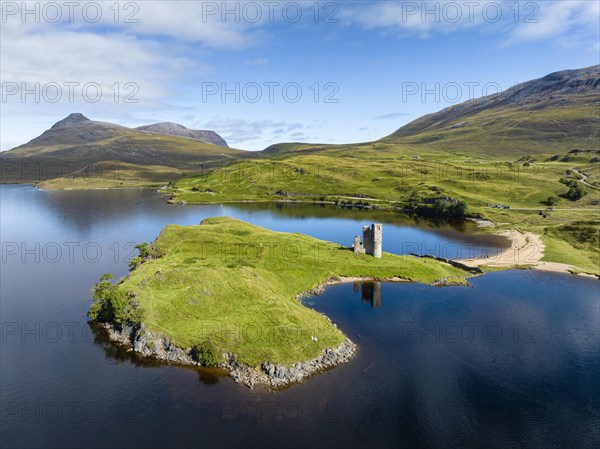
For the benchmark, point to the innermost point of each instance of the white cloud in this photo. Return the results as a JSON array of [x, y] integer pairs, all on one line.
[[128, 74], [257, 61], [575, 21], [123, 72], [410, 19], [196, 22], [167, 43], [392, 115], [568, 21], [237, 131]]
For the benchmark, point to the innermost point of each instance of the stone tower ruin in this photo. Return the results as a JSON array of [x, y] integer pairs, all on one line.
[[371, 241]]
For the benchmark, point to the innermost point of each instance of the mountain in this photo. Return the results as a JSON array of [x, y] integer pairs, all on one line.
[[74, 129], [175, 129], [77, 129], [77, 141], [543, 115]]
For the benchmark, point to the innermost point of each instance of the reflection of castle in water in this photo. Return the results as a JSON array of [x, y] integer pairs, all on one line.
[[370, 292]]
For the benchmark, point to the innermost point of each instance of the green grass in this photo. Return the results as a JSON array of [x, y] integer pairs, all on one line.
[[235, 284], [574, 243], [502, 132], [560, 251], [382, 177], [114, 175]]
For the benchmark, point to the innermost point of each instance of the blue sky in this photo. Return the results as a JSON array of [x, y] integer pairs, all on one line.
[[361, 67]]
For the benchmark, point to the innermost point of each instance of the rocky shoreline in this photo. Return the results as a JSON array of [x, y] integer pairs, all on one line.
[[146, 344]]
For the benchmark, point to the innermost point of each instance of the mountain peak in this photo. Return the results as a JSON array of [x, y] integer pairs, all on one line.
[[73, 119]]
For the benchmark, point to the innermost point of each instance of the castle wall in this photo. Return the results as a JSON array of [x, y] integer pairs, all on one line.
[[368, 240], [371, 241], [358, 247], [377, 239]]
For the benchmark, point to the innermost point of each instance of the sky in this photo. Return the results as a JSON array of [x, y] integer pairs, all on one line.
[[260, 73]]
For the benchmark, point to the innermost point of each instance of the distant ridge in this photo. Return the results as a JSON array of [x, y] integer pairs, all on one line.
[[175, 129], [74, 129]]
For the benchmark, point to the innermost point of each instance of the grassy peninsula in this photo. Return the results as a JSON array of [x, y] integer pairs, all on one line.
[[229, 286]]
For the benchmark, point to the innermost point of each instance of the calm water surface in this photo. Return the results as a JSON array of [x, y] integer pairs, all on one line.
[[512, 361]]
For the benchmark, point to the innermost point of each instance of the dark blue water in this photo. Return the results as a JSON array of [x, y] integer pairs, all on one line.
[[511, 362]]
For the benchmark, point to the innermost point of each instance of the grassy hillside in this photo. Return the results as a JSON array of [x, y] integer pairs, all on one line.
[[510, 132], [114, 175], [387, 178], [235, 285], [129, 146], [365, 177]]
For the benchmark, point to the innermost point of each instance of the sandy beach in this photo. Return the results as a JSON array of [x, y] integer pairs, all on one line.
[[526, 249]]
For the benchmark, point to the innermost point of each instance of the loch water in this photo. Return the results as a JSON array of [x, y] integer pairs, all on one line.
[[511, 361]]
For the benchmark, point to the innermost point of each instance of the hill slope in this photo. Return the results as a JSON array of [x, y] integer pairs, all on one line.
[[544, 117], [538, 116]]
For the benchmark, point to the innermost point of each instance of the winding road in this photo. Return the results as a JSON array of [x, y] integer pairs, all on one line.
[[584, 178]]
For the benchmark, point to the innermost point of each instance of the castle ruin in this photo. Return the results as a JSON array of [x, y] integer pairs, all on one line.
[[371, 241]]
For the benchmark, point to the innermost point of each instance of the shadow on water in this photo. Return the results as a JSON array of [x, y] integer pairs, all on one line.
[[122, 353], [74, 206], [370, 292], [304, 210]]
